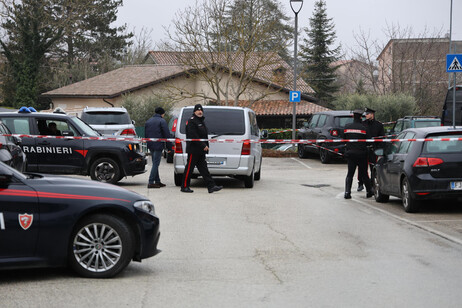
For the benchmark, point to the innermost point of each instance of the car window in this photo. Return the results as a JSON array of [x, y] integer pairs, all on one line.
[[17, 125], [87, 130], [406, 145], [443, 146], [406, 125], [106, 117], [4, 130], [427, 123], [322, 120], [313, 121], [394, 146], [398, 127], [343, 121], [218, 121]]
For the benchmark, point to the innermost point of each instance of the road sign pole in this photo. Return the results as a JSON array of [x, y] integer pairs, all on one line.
[[454, 103]]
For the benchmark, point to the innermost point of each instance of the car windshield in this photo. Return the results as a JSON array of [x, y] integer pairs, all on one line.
[[5, 169], [342, 121], [106, 118], [419, 124], [219, 121], [87, 130], [453, 146]]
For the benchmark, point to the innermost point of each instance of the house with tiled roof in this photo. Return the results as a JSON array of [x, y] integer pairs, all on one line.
[[166, 76]]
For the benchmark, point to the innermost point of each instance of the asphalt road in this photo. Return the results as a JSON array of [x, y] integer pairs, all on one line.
[[291, 241]]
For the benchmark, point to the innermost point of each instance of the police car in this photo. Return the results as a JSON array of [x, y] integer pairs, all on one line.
[[106, 161], [51, 221]]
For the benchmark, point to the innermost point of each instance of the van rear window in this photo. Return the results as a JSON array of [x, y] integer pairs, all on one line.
[[454, 146], [218, 121], [106, 118]]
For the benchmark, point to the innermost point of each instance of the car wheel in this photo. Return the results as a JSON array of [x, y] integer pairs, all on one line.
[[105, 170], [378, 195], [257, 175], [324, 155], [250, 180], [101, 246], [302, 153], [178, 178], [411, 205]]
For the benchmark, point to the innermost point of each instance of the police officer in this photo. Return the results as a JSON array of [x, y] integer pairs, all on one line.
[[196, 129], [376, 129], [356, 154]]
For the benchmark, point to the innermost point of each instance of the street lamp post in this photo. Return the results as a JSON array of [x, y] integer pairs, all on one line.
[[296, 6]]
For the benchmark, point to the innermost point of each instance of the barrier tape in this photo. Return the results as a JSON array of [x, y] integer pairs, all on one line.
[[292, 141]]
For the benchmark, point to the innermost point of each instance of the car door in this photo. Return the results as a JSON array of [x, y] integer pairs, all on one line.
[[19, 218], [60, 155], [396, 161], [310, 131]]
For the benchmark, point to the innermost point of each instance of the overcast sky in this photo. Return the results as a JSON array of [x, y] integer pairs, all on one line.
[[349, 16]]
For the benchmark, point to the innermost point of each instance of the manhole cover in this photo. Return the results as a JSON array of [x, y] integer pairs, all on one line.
[[316, 185]]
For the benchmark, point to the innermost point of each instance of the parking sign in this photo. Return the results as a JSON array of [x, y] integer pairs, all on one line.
[[295, 96]]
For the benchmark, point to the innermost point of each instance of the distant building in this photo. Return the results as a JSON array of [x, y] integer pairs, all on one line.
[[355, 76]]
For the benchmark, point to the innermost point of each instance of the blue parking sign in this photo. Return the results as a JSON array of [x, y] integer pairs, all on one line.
[[295, 96], [453, 63]]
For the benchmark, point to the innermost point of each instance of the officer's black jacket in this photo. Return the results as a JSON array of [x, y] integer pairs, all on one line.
[[196, 129], [375, 128], [356, 130]]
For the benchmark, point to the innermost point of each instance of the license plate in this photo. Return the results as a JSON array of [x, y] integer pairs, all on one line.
[[456, 185], [215, 161]]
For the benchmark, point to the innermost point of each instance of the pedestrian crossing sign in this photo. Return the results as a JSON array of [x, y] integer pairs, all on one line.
[[453, 63]]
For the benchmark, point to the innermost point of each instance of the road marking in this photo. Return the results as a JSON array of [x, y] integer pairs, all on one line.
[[410, 222], [302, 163], [441, 220]]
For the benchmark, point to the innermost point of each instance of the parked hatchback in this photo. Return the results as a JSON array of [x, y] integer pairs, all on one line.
[[418, 170], [240, 159], [324, 125], [109, 121]]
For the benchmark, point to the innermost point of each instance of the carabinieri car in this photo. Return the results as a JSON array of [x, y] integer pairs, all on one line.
[[51, 221], [417, 170]]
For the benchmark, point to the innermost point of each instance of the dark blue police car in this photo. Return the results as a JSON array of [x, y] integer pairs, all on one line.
[[51, 221]]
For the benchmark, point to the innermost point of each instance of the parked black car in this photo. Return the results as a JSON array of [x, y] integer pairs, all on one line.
[[52, 221], [104, 160], [324, 125], [417, 170], [10, 150]]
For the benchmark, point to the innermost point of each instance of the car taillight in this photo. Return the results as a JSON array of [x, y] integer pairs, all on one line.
[[427, 162], [174, 125], [128, 131], [245, 148], [1, 145], [178, 146], [334, 132]]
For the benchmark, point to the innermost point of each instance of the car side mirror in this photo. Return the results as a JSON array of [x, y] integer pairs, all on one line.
[[133, 122], [5, 178], [305, 124], [67, 133], [264, 134], [17, 140]]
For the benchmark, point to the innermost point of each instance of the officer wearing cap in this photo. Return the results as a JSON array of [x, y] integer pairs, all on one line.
[[376, 130], [356, 154], [156, 127], [196, 129]]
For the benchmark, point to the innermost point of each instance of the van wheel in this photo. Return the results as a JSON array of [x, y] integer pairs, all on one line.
[[178, 178], [258, 174], [250, 180], [105, 170]]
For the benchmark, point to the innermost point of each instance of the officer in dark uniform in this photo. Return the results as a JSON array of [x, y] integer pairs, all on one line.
[[356, 154], [196, 129], [376, 129]]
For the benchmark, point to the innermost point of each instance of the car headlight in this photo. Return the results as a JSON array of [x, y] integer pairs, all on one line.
[[145, 206]]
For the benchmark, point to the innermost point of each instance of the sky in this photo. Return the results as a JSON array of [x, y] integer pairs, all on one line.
[[349, 16]]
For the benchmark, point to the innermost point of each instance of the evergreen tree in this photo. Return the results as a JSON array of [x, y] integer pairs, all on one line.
[[30, 35], [317, 55]]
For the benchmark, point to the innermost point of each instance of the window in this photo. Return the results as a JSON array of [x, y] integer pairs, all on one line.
[[313, 121], [343, 121], [406, 145], [106, 117], [443, 146], [17, 125], [398, 127], [322, 120], [406, 125], [218, 121]]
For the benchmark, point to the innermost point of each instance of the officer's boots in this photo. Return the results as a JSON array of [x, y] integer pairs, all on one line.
[[369, 191], [348, 183]]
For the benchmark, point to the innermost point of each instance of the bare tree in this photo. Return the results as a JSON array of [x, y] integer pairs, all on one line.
[[405, 63], [225, 51]]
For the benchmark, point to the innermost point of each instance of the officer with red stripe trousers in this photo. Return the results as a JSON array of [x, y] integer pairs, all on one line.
[[356, 154], [196, 129]]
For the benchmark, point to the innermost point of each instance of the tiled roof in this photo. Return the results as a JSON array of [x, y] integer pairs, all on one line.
[[282, 108], [267, 64], [118, 82]]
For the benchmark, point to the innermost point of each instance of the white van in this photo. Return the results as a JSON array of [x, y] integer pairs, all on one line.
[[240, 159]]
